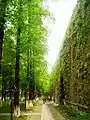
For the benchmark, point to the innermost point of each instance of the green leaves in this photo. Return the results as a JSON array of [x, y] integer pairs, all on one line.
[[73, 62], [28, 16]]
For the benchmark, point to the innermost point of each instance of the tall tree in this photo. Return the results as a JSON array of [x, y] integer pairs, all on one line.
[[3, 5], [17, 66]]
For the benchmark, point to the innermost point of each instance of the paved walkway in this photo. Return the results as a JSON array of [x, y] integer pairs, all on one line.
[[35, 115], [46, 114], [56, 113], [4, 114]]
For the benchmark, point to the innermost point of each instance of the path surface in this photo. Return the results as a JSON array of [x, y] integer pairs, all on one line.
[[36, 114], [46, 114], [41, 112], [56, 113]]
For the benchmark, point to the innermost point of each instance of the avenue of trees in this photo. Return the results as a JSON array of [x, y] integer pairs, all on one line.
[[70, 78], [23, 46]]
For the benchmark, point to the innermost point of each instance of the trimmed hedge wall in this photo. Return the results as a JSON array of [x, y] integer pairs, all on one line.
[[75, 57]]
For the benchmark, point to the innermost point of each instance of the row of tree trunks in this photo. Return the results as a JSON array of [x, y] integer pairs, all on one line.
[[15, 88]]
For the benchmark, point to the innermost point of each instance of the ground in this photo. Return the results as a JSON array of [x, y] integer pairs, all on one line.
[[47, 111]]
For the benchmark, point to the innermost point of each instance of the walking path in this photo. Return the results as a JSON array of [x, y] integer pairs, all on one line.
[[4, 114], [36, 114], [46, 114], [56, 113]]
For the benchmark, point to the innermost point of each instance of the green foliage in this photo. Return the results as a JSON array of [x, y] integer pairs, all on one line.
[[27, 15], [8, 118], [5, 108], [68, 113], [73, 61]]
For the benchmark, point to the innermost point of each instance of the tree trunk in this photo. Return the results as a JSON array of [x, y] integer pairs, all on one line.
[[1, 44], [62, 94], [34, 84], [3, 85], [3, 5], [30, 87], [26, 102], [31, 82], [30, 55], [2, 23], [28, 74], [16, 94]]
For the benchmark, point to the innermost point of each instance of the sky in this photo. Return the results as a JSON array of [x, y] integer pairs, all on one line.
[[62, 12]]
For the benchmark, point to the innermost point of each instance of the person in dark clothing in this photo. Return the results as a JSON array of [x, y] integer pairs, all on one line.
[[44, 100]]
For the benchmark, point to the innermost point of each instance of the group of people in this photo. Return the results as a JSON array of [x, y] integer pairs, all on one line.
[[46, 98]]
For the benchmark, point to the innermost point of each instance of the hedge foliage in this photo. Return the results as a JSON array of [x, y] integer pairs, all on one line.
[[74, 59]]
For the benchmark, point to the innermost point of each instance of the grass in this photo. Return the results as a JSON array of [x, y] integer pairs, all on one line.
[[22, 108], [5, 108], [4, 117], [8, 118], [70, 113]]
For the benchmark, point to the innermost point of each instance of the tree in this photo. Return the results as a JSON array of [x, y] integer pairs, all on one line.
[[24, 49], [17, 66], [3, 5]]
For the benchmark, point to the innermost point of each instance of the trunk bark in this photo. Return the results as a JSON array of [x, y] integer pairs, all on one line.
[[2, 85], [30, 54], [28, 76], [30, 88], [25, 96], [2, 23], [62, 96], [3, 5], [34, 84], [16, 94]]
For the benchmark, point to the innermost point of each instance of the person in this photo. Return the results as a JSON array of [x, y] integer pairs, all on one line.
[[44, 99]]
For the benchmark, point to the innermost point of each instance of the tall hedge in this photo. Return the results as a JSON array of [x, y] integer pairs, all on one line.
[[75, 57]]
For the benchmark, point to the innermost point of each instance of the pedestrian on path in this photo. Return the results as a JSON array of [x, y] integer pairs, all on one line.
[[44, 99]]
